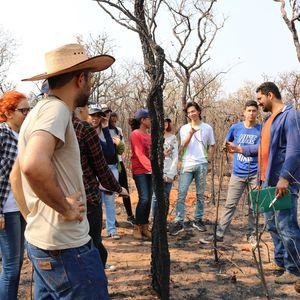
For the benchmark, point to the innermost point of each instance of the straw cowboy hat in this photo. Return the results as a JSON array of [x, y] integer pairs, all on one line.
[[70, 58]]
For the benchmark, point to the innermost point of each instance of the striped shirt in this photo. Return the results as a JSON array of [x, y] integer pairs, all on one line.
[[8, 154]]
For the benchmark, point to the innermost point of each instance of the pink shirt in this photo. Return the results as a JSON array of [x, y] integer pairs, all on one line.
[[140, 152]]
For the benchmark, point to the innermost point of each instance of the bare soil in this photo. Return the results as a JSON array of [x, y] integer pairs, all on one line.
[[194, 272]]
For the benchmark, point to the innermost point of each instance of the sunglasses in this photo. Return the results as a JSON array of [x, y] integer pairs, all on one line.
[[24, 110]]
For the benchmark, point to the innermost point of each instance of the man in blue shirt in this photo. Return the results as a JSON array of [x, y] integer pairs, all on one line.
[[244, 169]]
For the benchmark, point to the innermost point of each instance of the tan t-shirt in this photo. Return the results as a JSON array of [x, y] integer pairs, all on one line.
[[46, 228]]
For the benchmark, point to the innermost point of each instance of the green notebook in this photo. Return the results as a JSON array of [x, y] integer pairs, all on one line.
[[265, 197]]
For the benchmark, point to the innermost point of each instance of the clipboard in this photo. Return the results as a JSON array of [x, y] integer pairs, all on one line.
[[265, 196]]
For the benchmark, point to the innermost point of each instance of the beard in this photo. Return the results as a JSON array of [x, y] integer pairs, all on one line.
[[83, 96], [266, 109], [82, 99]]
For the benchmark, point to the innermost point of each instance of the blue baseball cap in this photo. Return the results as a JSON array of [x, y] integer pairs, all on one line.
[[142, 113]]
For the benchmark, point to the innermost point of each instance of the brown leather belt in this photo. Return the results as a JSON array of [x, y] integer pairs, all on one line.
[[55, 253]]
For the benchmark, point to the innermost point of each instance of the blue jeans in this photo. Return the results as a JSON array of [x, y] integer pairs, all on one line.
[[75, 273], [109, 202], [284, 228], [187, 174], [12, 249], [143, 184], [167, 190]]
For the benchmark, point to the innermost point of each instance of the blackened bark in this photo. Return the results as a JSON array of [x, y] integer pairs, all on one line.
[[154, 64]]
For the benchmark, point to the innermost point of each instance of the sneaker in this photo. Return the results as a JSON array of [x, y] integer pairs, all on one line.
[[131, 220], [114, 235], [287, 278], [176, 228], [199, 225], [272, 267], [210, 239], [110, 267]]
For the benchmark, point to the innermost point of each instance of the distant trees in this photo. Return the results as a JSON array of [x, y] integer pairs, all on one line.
[[289, 84], [7, 51]]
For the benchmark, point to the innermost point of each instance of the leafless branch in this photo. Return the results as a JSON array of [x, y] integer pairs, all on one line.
[[290, 22]]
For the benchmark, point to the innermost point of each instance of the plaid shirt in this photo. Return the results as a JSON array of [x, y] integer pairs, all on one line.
[[94, 166], [8, 154]]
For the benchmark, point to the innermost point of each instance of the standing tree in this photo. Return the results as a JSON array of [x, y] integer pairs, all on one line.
[[194, 28], [291, 16], [140, 17]]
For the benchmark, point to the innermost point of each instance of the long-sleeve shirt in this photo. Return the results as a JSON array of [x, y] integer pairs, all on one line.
[[94, 166], [140, 152], [8, 154], [284, 148]]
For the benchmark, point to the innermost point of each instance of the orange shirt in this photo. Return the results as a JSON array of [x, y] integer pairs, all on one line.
[[263, 152]]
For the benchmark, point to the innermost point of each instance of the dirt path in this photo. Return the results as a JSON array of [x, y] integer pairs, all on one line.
[[194, 274]]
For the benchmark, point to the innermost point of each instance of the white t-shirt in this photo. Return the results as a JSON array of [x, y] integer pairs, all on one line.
[[197, 150], [46, 228], [10, 204]]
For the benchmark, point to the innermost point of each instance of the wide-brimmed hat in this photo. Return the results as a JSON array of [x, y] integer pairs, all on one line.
[[70, 58]]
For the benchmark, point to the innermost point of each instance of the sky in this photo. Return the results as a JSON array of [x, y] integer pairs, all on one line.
[[254, 39]]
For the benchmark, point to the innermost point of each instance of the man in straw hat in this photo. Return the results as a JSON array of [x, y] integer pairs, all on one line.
[[53, 200]]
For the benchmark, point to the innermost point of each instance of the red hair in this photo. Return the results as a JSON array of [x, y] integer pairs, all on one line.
[[9, 101]]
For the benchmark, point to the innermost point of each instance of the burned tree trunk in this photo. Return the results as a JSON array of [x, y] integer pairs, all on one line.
[[154, 62], [141, 19]]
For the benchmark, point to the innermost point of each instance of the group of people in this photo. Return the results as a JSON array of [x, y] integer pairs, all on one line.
[[66, 160]]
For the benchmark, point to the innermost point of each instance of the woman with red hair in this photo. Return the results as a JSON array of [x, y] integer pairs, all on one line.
[[14, 107]]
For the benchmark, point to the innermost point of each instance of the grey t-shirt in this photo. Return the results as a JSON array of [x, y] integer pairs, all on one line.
[[46, 228]]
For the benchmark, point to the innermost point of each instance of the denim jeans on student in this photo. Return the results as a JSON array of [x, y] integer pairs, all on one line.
[[143, 184], [167, 190], [237, 186], [187, 174], [75, 273], [12, 249], [284, 228], [109, 202]]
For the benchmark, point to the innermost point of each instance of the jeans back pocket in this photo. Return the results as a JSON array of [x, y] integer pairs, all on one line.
[[50, 269]]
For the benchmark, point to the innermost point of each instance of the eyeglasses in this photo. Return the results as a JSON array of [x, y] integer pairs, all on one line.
[[24, 110]]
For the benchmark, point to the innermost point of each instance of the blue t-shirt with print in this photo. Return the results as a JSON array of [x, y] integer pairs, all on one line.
[[243, 136]]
